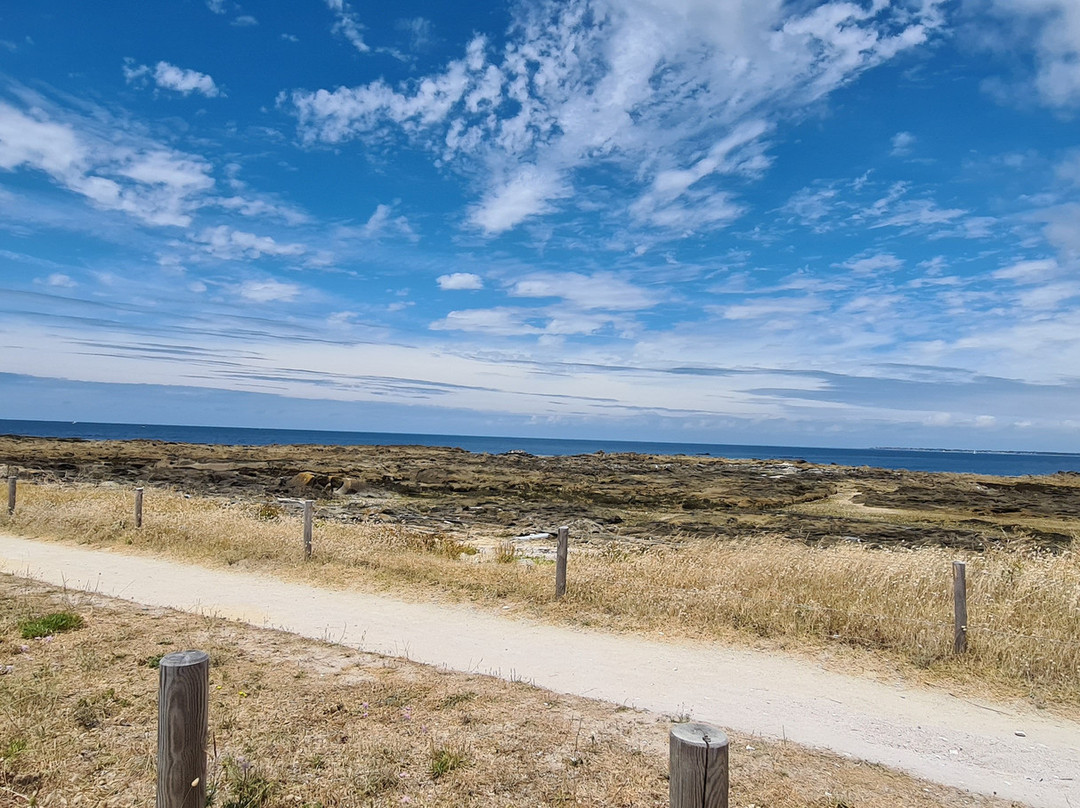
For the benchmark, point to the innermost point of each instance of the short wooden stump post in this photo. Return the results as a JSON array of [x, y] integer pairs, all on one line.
[[699, 767], [960, 615], [560, 561], [183, 696], [138, 507], [12, 484], [309, 506]]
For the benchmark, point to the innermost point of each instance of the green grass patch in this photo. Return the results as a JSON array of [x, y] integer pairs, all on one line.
[[445, 759], [48, 625]]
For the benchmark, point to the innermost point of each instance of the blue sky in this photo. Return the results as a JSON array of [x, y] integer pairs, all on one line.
[[742, 221]]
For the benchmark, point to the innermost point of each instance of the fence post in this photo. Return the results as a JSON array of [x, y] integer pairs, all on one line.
[[698, 775], [308, 508], [12, 482], [138, 507], [183, 696], [960, 615], [560, 561]]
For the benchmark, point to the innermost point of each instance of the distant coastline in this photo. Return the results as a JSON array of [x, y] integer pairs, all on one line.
[[1005, 464], [971, 451]]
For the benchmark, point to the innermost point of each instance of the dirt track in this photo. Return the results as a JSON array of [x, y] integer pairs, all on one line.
[[992, 749]]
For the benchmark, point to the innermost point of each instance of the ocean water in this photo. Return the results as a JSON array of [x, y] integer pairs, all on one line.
[[1009, 464]]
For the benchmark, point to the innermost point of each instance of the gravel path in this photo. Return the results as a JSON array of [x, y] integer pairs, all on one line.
[[991, 749]]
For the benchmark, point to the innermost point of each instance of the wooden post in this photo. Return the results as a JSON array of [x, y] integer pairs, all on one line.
[[308, 508], [960, 615], [12, 482], [560, 561], [183, 696], [138, 507], [699, 767]]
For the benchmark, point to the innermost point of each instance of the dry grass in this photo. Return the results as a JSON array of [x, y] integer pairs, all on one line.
[[1024, 605], [301, 723]]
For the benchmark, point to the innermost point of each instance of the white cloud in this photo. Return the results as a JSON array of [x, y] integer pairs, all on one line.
[[170, 77], [919, 213], [1062, 229], [35, 141], [216, 6], [460, 281], [811, 207], [641, 87], [548, 324], [344, 113], [1049, 296], [895, 210], [1034, 271], [229, 244], [673, 201], [256, 207], [789, 310], [244, 21], [527, 193], [268, 291], [135, 175], [419, 30], [873, 263], [382, 223], [507, 322], [348, 24], [603, 290], [1048, 28], [902, 143], [1069, 168], [165, 168], [59, 280]]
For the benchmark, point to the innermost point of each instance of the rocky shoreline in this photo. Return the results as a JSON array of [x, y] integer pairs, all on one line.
[[628, 498]]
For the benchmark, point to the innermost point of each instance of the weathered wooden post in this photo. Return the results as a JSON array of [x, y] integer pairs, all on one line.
[[183, 696], [560, 561], [960, 615], [138, 507], [12, 482], [309, 506], [699, 767]]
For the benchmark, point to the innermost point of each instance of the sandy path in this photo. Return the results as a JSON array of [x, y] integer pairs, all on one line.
[[926, 733]]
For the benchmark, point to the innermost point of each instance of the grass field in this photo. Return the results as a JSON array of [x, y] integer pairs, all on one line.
[[883, 610]]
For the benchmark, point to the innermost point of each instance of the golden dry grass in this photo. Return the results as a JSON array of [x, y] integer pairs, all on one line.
[[302, 723], [895, 605]]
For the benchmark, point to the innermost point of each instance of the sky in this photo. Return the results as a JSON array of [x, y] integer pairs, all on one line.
[[723, 221]]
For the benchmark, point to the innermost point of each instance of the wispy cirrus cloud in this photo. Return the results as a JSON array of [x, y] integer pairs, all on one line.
[[603, 290], [348, 24], [646, 87], [869, 264], [862, 203], [268, 291], [135, 174]]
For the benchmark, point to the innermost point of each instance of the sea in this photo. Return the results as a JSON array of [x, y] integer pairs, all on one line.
[[1005, 464]]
